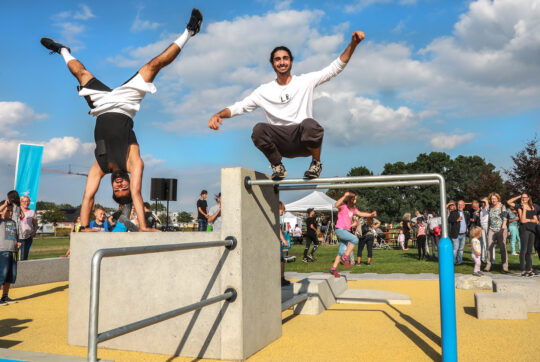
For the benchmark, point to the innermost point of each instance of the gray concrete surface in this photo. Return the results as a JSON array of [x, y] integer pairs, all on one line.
[[41, 271], [500, 306], [320, 298], [372, 296], [141, 286], [528, 289], [473, 282]]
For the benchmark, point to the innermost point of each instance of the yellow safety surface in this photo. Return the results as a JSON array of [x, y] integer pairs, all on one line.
[[345, 332]]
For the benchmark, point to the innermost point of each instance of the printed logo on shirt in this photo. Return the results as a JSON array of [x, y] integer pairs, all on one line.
[[10, 230], [285, 98]]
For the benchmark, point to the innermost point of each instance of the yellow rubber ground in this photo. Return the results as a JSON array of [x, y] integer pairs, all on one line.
[[346, 332]]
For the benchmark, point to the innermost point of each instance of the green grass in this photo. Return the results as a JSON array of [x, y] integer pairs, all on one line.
[[48, 247], [390, 261]]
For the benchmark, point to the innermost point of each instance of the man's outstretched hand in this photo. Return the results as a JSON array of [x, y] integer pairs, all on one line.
[[358, 36], [215, 121]]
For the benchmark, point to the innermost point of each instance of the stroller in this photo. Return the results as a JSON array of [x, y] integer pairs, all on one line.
[[379, 242]]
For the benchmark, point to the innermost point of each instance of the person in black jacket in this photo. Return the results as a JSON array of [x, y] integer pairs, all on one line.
[[458, 221]]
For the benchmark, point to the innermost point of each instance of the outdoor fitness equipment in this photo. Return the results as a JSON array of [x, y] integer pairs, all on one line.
[[446, 256]]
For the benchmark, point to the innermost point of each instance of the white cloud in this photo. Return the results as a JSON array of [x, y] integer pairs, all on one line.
[[70, 25], [151, 161], [14, 116], [447, 142], [55, 149], [361, 4], [84, 13], [141, 25]]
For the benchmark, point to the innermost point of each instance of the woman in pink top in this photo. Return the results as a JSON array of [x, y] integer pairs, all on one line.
[[347, 241]]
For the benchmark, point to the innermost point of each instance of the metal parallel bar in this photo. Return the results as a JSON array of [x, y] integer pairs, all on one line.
[[95, 277], [403, 177], [356, 185], [104, 336]]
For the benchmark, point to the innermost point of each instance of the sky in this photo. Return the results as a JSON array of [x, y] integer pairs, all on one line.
[[462, 77]]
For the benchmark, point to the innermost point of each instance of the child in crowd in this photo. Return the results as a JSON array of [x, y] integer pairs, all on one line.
[[347, 241], [421, 238], [283, 242], [100, 223], [475, 234], [9, 245], [401, 239]]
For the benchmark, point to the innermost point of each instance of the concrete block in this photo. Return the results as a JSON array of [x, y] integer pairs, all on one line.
[[372, 296], [472, 282], [500, 306], [320, 298], [42, 271], [528, 289], [337, 285], [140, 286], [287, 292]]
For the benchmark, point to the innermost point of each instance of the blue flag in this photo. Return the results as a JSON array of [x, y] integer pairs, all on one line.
[[28, 171]]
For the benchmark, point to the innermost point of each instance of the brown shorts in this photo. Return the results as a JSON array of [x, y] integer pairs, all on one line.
[[287, 141]]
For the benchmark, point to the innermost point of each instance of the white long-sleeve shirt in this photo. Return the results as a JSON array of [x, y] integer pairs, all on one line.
[[291, 103]]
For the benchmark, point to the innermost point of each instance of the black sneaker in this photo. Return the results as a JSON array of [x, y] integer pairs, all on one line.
[[195, 21], [314, 170], [285, 282], [2, 303], [8, 300], [53, 46], [279, 172]]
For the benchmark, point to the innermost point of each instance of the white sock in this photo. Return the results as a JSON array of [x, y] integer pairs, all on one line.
[[182, 40], [66, 54]]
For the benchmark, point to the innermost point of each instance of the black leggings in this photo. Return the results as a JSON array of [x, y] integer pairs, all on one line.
[[365, 240], [311, 239], [421, 244], [526, 237], [407, 237]]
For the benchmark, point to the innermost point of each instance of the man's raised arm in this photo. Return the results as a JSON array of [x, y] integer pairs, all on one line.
[[357, 37]]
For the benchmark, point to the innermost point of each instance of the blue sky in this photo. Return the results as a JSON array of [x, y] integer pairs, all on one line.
[[461, 77]]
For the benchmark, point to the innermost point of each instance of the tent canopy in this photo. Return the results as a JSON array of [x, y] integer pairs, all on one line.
[[316, 200]]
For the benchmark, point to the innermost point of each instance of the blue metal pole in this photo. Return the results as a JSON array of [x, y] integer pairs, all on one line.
[[448, 300]]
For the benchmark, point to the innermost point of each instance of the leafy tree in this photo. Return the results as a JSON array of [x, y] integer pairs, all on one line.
[[52, 216], [184, 216], [157, 207], [524, 176], [45, 205], [164, 219]]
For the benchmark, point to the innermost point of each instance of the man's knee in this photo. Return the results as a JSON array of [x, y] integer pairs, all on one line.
[[312, 132], [259, 135]]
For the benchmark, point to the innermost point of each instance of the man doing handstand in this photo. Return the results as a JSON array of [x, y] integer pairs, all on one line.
[[117, 151], [287, 103]]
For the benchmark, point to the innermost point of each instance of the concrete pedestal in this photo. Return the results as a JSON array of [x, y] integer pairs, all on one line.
[[140, 286]]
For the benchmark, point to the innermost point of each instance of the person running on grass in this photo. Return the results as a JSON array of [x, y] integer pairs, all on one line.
[[287, 103], [347, 241], [117, 151]]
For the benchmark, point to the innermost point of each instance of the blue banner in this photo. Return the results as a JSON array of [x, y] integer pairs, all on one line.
[[28, 171]]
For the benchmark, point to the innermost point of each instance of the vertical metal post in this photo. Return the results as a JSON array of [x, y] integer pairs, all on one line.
[[447, 285], [94, 306]]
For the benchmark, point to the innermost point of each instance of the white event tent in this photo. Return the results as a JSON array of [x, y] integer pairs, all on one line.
[[316, 200]]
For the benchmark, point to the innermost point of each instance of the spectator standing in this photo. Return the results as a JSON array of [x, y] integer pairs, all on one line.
[[297, 234], [100, 223], [151, 220], [513, 228], [434, 225], [421, 238], [406, 227], [215, 214], [517, 206], [324, 230], [202, 211], [484, 222], [29, 227], [453, 226], [464, 220], [311, 236], [283, 242], [8, 250], [369, 234], [529, 220], [476, 252], [401, 239], [497, 231]]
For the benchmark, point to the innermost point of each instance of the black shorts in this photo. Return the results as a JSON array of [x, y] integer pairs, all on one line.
[[113, 135]]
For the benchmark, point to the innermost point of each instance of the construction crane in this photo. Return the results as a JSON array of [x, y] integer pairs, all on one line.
[[58, 171]]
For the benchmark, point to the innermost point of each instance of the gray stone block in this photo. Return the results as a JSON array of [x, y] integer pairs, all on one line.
[[371, 296], [320, 298], [500, 306], [337, 285], [41, 271], [472, 282], [528, 289]]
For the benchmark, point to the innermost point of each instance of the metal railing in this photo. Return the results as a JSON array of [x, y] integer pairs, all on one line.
[[446, 257], [94, 337]]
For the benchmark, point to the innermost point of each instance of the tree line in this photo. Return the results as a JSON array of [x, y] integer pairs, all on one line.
[[467, 178]]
